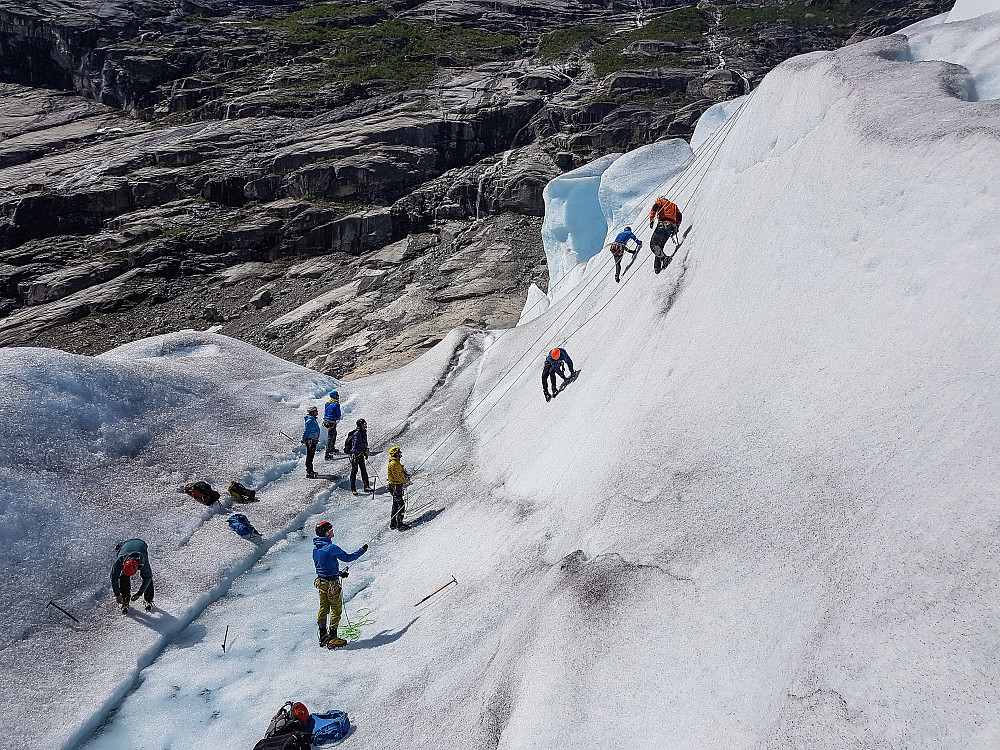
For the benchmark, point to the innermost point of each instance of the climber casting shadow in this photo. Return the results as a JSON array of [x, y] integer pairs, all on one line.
[[428, 516], [382, 639]]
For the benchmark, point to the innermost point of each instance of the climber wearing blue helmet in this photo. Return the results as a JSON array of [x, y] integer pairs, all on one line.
[[331, 415]]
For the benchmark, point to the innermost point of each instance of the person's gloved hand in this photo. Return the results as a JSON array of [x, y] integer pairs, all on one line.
[[119, 598], [343, 574], [136, 597], [640, 245], [650, 223], [364, 547]]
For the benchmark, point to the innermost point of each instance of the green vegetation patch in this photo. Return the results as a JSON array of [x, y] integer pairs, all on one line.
[[607, 61], [407, 51], [390, 49], [561, 41], [681, 25], [815, 13]]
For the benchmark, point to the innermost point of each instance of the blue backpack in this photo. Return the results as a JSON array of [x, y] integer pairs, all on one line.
[[241, 525], [329, 727]]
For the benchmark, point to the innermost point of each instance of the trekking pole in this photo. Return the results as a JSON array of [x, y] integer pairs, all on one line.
[[53, 604], [224, 639], [453, 580]]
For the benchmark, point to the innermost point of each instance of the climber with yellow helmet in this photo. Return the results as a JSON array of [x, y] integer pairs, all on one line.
[[398, 476]]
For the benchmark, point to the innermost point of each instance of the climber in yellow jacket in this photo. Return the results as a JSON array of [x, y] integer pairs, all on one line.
[[398, 476]]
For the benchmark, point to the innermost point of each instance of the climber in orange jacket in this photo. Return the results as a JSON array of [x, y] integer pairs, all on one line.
[[668, 218]]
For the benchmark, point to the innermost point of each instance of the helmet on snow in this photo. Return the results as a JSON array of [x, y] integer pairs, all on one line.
[[323, 528], [555, 353], [300, 712], [334, 395], [131, 567], [395, 451]]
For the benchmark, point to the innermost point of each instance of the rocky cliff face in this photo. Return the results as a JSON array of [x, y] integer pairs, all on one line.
[[339, 183]]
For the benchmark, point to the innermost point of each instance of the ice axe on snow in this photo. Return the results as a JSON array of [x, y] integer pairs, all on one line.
[[453, 580], [289, 437], [53, 604]]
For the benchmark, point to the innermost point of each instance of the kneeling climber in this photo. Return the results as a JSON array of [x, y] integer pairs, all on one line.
[[327, 557], [133, 557], [620, 245], [553, 364], [668, 220]]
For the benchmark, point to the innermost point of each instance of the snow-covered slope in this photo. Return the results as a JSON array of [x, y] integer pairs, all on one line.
[[764, 515]]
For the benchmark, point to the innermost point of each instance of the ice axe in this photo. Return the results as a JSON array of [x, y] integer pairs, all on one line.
[[289, 437], [53, 604], [453, 580]]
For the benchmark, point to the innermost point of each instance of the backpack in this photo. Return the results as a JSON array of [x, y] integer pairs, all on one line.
[[350, 439], [241, 493], [202, 492], [291, 717], [242, 526], [289, 741], [329, 727]]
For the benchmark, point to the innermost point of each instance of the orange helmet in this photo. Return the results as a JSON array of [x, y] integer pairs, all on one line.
[[555, 353], [131, 567]]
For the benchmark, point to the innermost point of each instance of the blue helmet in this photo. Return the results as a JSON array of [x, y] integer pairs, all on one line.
[[335, 395]]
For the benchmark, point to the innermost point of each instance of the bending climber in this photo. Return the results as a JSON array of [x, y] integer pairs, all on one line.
[[331, 415], [553, 364], [357, 450], [620, 245], [327, 556], [398, 476], [133, 557], [310, 437], [668, 220]]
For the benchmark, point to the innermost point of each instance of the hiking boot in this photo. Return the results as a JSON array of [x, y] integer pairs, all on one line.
[[327, 456], [323, 637], [368, 489], [403, 527], [547, 398], [618, 280], [148, 606], [335, 642], [311, 475], [125, 609], [354, 492]]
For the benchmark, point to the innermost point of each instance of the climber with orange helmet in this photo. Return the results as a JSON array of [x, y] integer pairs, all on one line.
[[133, 557], [553, 364], [668, 218]]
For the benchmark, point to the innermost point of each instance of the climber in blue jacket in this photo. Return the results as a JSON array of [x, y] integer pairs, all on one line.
[[331, 415], [327, 557], [620, 245], [310, 437], [553, 364]]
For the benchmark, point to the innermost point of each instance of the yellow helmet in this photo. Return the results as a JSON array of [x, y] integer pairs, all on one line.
[[395, 451]]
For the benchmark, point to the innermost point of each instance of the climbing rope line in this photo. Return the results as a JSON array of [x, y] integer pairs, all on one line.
[[712, 146], [683, 178], [679, 183]]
